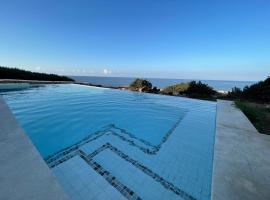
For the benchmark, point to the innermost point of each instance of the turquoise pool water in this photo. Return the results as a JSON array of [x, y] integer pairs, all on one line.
[[58, 116]]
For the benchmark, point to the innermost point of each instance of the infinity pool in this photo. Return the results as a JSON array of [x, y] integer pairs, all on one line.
[[171, 137]]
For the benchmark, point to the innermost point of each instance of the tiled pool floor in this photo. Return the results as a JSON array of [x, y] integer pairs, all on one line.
[[84, 183], [114, 165]]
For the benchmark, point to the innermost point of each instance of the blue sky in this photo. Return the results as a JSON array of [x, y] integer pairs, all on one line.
[[209, 39]]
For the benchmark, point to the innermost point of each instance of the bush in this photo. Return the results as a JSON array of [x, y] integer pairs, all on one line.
[[236, 93], [155, 90], [141, 85], [259, 92], [199, 89], [14, 73], [177, 89], [191, 89]]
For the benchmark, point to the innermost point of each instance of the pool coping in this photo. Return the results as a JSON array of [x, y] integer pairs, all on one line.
[[241, 157], [23, 173]]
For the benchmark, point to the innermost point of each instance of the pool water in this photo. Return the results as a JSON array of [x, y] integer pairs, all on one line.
[[55, 117]]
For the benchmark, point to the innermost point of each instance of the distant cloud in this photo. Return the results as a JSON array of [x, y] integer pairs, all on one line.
[[106, 71]]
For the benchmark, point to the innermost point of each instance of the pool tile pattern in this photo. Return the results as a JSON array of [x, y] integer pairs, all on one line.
[[122, 134], [145, 146], [85, 183], [118, 158], [178, 168], [127, 192], [150, 173]]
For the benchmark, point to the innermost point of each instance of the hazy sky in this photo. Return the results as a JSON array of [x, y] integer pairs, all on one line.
[[202, 39]]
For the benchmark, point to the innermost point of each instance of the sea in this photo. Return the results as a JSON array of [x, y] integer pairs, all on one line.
[[219, 85]]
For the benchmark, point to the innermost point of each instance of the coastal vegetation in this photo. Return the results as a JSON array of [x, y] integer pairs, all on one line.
[[194, 89], [142, 85], [15, 73], [176, 90], [258, 92], [258, 114], [254, 101]]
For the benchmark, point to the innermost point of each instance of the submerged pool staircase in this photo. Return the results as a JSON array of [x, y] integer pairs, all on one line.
[[113, 133], [111, 129]]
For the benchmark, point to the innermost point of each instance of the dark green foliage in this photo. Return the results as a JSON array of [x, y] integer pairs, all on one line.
[[199, 89], [235, 93], [191, 89], [177, 89], [155, 90], [14, 73], [142, 85], [259, 92], [258, 114]]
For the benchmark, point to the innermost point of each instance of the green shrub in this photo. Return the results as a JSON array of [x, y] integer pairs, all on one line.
[[259, 92], [199, 89], [236, 93], [141, 85], [155, 90], [191, 89], [177, 89]]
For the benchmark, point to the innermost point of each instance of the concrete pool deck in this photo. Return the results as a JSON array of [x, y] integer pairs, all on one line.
[[23, 173], [241, 159]]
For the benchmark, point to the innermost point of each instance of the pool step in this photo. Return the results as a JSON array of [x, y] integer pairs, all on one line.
[[80, 181], [111, 129], [142, 180], [102, 136], [129, 177]]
